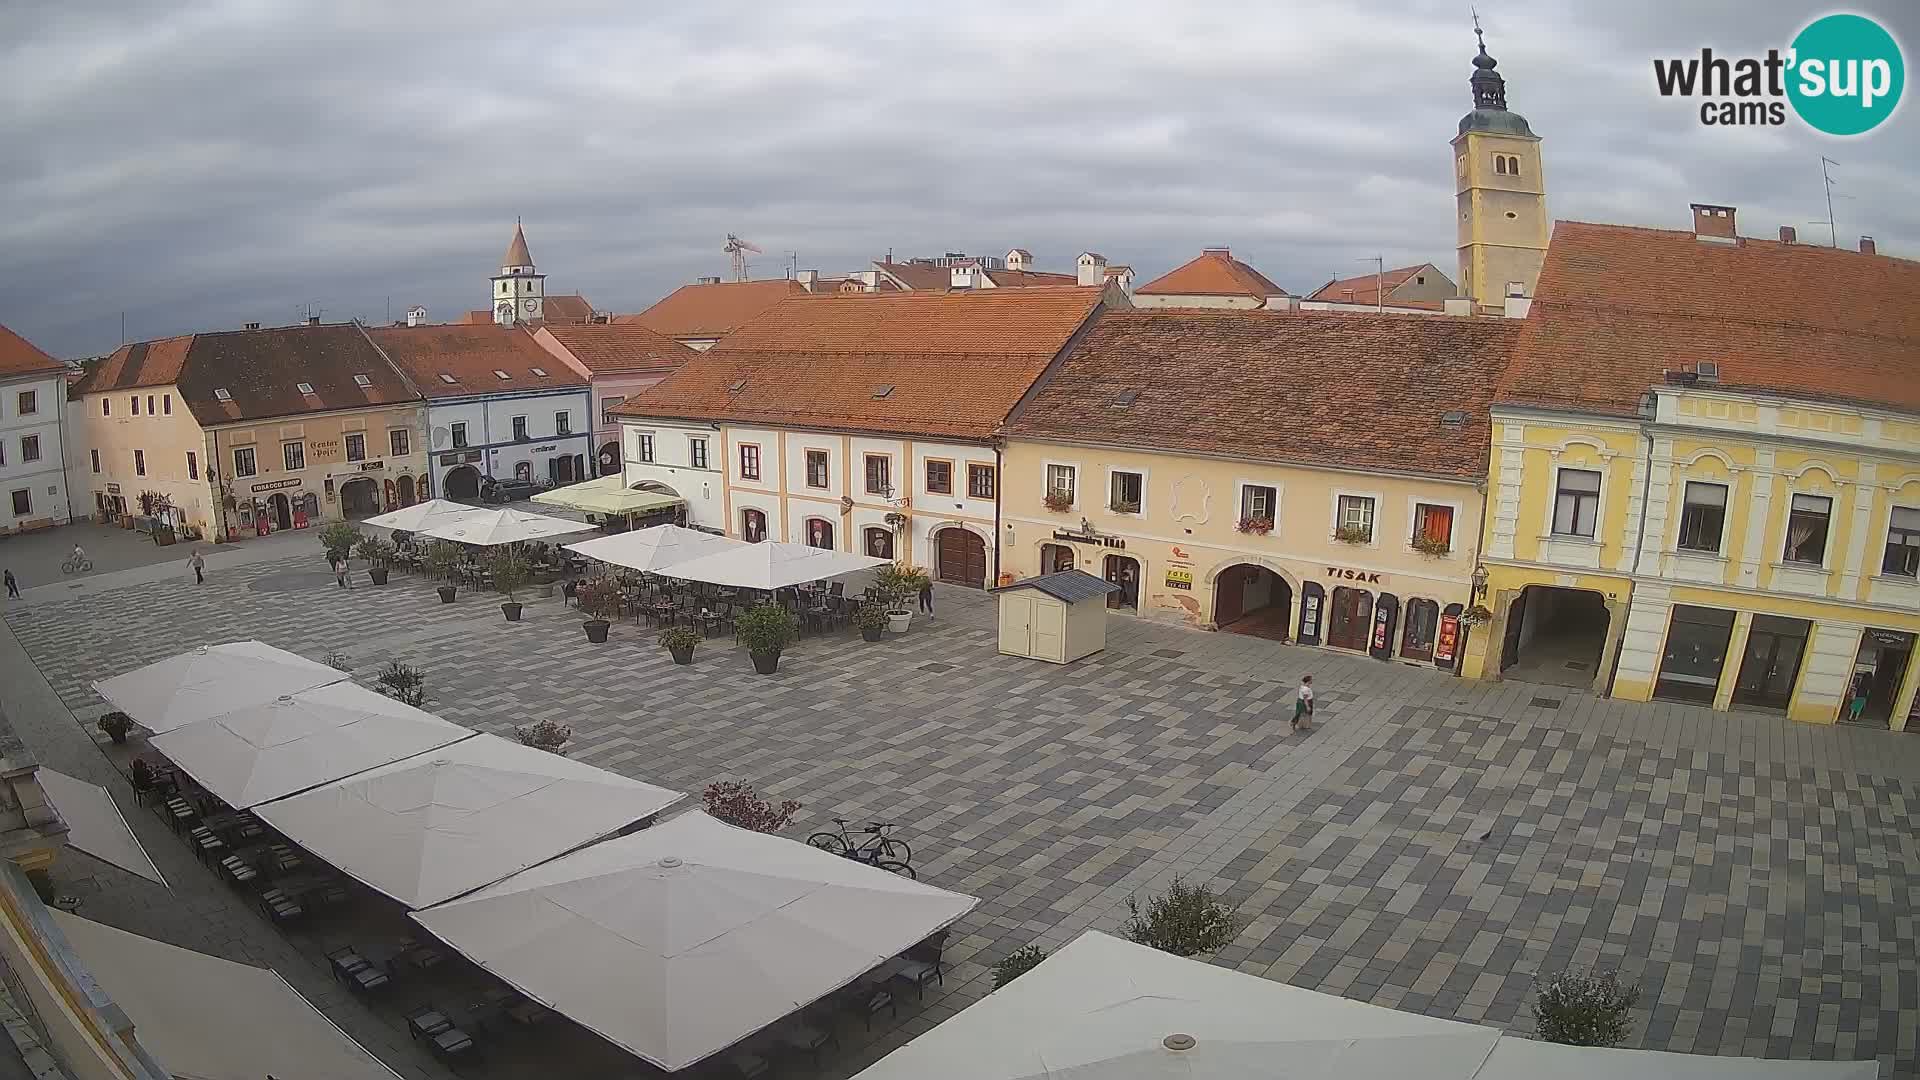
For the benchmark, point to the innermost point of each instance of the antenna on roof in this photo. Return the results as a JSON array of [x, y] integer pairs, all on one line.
[[1826, 180], [1380, 272]]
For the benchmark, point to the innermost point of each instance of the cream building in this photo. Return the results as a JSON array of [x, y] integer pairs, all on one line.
[[1207, 463], [33, 480]]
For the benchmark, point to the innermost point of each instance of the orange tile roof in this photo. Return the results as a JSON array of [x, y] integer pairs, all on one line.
[[956, 362], [471, 354], [18, 356], [713, 310], [1363, 288], [622, 348], [571, 307], [919, 275], [1351, 390], [138, 364], [1616, 305], [1027, 279], [1214, 273]]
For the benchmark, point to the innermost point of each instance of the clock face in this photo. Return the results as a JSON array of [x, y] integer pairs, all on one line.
[[532, 305]]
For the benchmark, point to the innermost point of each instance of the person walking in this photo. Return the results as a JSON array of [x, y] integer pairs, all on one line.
[[199, 564], [340, 572], [13, 587], [1303, 705], [926, 598]]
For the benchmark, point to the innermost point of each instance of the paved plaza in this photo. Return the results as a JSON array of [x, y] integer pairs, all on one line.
[[1431, 845]]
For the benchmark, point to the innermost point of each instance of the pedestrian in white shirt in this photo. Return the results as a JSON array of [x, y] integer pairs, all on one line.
[[1303, 705]]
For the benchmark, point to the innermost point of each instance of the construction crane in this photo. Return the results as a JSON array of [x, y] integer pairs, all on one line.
[[738, 248]]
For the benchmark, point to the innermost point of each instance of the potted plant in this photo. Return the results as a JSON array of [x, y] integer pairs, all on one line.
[[872, 620], [680, 641], [406, 685], [116, 725], [1431, 546], [1185, 921], [510, 573], [898, 582], [597, 599], [1255, 524], [379, 554], [1058, 500], [338, 540], [1353, 534], [738, 804], [765, 630], [548, 735], [1476, 615], [440, 558], [1584, 1008]]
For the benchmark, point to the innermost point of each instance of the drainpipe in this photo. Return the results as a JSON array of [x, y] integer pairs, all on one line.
[[1639, 542], [998, 486]]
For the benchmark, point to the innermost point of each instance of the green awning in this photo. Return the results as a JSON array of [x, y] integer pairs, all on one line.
[[607, 495]]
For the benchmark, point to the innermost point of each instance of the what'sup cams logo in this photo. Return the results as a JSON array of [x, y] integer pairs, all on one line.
[[1842, 75]]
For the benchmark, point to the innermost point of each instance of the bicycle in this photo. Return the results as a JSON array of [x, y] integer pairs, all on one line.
[[75, 565], [876, 848]]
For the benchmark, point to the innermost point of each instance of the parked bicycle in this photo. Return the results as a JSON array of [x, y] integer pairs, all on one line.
[[77, 564], [875, 847]]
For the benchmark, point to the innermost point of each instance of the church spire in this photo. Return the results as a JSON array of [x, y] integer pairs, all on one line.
[[1489, 89], [517, 254]]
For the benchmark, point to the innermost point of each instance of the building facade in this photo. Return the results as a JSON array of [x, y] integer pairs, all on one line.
[[33, 479], [1500, 198], [1692, 500], [1206, 464], [619, 360]]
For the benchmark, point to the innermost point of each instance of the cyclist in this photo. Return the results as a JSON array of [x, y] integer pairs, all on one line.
[[79, 558]]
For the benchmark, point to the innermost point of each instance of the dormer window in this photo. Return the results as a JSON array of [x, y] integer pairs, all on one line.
[[736, 386], [501, 375], [448, 379], [885, 390], [220, 394], [542, 372], [305, 388], [362, 381]]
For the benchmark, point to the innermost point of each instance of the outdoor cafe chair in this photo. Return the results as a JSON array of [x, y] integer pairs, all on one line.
[[917, 974], [799, 1037], [358, 972]]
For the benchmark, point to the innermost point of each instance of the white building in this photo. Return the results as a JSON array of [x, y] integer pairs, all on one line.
[[33, 397]]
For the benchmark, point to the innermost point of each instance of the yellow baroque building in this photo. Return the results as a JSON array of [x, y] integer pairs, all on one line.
[[1704, 479]]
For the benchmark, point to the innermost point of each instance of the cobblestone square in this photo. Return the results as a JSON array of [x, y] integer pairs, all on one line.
[[1431, 845]]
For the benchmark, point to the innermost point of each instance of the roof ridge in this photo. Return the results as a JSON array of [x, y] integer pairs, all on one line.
[[1838, 330]]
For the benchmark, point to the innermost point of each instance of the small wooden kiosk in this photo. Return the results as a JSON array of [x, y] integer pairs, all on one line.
[[1058, 617]]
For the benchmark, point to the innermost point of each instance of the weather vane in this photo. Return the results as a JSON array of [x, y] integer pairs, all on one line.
[[1478, 35]]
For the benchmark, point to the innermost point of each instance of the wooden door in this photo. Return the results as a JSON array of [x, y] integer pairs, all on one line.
[[1351, 623], [963, 558], [1016, 623], [1049, 630]]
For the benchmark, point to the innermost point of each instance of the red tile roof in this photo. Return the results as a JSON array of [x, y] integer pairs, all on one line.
[[1616, 305], [471, 355], [622, 348], [919, 275], [713, 310], [1363, 288], [1214, 273], [18, 356], [1349, 390], [259, 371], [955, 362], [1026, 279]]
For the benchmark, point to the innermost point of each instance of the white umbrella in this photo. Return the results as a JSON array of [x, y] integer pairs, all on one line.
[[211, 680], [679, 940], [770, 565], [653, 548], [292, 743], [490, 528], [95, 824], [466, 815], [421, 515]]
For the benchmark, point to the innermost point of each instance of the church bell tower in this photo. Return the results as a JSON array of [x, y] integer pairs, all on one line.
[[519, 291], [1501, 194]]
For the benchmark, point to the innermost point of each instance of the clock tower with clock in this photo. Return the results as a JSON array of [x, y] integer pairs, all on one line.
[[519, 291]]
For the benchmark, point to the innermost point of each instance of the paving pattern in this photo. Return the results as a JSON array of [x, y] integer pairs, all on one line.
[[1431, 845]]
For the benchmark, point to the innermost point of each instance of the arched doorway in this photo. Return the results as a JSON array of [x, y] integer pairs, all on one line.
[[1124, 571], [1350, 618], [753, 526], [1554, 636], [961, 557], [608, 458], [1254, 600], [820, 533], [1055, 558], [406, 490], [1423, 627], [878, 542], [462, 483], [280, 510], [359, 498]]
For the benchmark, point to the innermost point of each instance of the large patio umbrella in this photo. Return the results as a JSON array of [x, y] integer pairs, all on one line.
[[653, 548], [607, 495], [421, 515], [444, 823], [679, 940], [211, 680], [770, 565], [491, 528], [291, 743]]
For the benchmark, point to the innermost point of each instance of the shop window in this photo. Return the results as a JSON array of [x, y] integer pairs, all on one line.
[[980, 481], [1423, 622], [749, 462], [1807, 525], [879, 542], [1903, 544], [817, 466], [1356, 518], [1060, 482], [1127, 491], [939, 477], [356, 446], [820, 533], [753, 526], [1576, 503], [1696, 652], [1433, 526], [1703, 517], [879, 475], [697, 458], [243, 463]]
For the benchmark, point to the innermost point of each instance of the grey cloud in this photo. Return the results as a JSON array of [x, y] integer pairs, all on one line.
[[203, 165]]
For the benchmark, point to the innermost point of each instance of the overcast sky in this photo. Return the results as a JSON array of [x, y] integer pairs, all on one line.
[[201, 165]]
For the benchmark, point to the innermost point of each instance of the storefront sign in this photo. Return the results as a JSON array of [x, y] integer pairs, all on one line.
[[372, 466], [449, 459], [1366, 577], [474, 456], [547, 449], [324, 449], [1181, 555], [277, 485], [1891, 638], [1310, 617], [1449, 638], [1179, 579], [1089, 538]]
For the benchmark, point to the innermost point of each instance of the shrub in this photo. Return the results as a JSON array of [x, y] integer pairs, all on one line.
[[406, 685], [737, 803], [1187, 920], [339, 539], [548, 735], [1353, 534], [767, 628], [870, 617], [511, 571], [440, 557], [680, 637], [375, 550], [1058, 501], [1258, 526], [1017, 963], [1583, 1008], [897, 581]]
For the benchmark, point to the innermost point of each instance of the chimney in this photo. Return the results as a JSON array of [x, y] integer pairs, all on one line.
[[313, 320], [1788, 235], [1866, 246], [1093, 268], [706, 281], [807, 278], [253, 326], [1457, 305], [1225, 253], [1712, 222]]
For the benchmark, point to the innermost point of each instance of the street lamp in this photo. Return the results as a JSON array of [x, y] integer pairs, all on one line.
[[1479, 581]]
